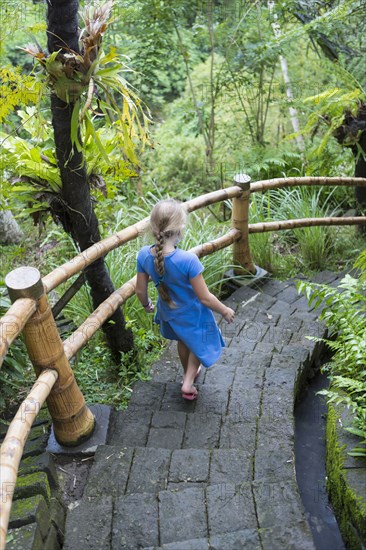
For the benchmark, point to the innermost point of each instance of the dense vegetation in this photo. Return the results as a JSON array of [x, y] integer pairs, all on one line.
[[185, 95]]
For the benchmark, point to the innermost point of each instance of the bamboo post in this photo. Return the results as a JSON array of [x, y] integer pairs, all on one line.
[[73, 422], [242, 258]]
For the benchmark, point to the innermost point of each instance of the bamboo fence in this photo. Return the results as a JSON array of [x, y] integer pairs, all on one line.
[[101, 248], [276, 183], [13, 322], [92, 324], [12, 447], [304, 222]]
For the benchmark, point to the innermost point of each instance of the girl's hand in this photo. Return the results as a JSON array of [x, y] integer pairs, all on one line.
[[149, 308], [229, 315]]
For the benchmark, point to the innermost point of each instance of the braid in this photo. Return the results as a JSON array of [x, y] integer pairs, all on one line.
[[159, 260], [160, 268], [167, 219]]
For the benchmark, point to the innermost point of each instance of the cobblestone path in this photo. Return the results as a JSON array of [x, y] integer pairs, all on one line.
[[217, 473]]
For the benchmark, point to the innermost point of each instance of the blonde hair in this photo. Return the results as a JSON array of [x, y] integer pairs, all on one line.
[[168, 218]]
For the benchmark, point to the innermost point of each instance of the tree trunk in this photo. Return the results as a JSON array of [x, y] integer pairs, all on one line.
[[352, 133], [75, 207], [360, 169], [10, 232], [284, 68]]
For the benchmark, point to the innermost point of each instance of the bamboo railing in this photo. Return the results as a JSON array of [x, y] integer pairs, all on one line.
[[30, 314]]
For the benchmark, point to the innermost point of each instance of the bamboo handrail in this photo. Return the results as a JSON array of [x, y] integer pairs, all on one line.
[[304, 222], [92, 324], [91, 254], [13, 322], [101, 248], [12, 447], [276, 183]]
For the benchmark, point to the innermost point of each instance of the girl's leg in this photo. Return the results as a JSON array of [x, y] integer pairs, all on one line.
[[183, 353], [190, 374]]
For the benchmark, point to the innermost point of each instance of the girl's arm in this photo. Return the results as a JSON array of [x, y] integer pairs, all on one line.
[[209, 300], [142, 280]]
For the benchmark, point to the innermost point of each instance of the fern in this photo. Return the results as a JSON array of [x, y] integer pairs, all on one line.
[[343, 309]]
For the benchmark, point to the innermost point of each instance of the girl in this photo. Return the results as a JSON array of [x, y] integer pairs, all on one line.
[[185, 303]]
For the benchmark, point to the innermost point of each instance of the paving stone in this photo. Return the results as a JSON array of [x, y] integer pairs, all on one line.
[[268, 347], [277, 499], [202, 431], [149, 471], [254, 331], [110, 471], [246, 311], [295, 351], [27, 537], [230, 466], [256, 362], [172, 486], [167, 429], [266, 318], [173, 400], [242, 347], [147, 395], [294, 536], [195, 544], [278, 398], [130, 428], [88, 525], [179, 511], [274, 457], [165, 369], [212, 400], [325, 277], [135, 522], [221, 373], [281, 308], [272, 287], [230, 507], [245, 402], [189, 465], [252, 380], [237, 434], [288, 294], [247, 539]]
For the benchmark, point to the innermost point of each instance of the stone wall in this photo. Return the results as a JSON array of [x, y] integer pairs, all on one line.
[[37, 516], [346, 479]]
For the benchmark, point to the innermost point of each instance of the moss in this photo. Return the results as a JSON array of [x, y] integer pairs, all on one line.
[[33, 484], [349, 507], [30, 510]]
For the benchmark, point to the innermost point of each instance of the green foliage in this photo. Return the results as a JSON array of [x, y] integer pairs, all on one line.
[[12, 371], [17, 89], [343, 311], [315, 243]]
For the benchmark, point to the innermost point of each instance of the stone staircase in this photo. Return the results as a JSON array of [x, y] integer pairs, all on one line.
[[217, 473]]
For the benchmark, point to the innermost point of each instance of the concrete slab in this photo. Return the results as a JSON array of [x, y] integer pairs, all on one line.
[[102, 415]]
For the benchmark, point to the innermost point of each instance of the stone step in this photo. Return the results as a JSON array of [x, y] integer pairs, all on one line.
[[222, 516], [119, 470]]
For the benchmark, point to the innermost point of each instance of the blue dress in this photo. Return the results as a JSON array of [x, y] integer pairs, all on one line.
[[190, 321]]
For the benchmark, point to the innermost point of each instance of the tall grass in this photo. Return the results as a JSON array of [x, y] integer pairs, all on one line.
[[314, 243]]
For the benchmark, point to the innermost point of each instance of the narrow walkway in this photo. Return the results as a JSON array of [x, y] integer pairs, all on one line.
[[217, 473]]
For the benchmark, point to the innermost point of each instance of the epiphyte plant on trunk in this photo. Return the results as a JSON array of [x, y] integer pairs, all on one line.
[[87, 86]]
